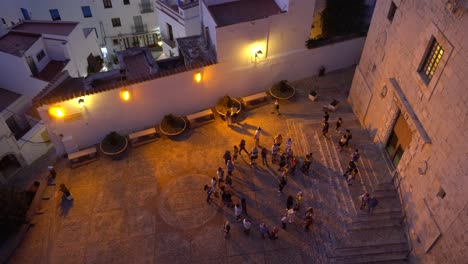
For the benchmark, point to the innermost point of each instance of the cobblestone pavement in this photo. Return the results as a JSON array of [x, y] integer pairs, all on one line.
[[150, 206]]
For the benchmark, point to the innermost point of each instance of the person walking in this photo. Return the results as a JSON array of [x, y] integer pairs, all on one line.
[[289, 202], [274, 153], [341, 142], [247, 224], [282, 183], [306, 163], [307, 222], [291, 214], [264, 156], [226, 229], [235, 153], [229, 167], [276, 107], [284, 220], [257, 136], [220, 174], [214, 184], [234, 114], [66, 192], [299, 198], [338, 124], [237, 212], [355, 156], [242, 147], [325, 117], [253, 155], [349, 136], [351, 167], [364, 198], [52, 175], [282, 162], [352, 176], [263, 229], [274, 233], [244, 206], [325, 127], [292, 169], [371, 204], [278, 140], [228, 117], [208, 191], [227, 156]]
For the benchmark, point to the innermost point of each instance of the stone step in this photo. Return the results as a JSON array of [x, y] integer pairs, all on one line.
[[364, 217], [356, 226], [371, 250], [376, 258]]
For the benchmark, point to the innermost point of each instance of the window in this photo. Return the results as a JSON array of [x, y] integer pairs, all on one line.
[[17, 127], [432, 60], [116, 22], [3, 21], [40, 55], [107, 3], [115, 42], [54, 13], [86, 11], [126, 2], [391, 11]]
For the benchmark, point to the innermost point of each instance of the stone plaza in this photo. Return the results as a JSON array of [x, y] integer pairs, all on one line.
[[150, 207]]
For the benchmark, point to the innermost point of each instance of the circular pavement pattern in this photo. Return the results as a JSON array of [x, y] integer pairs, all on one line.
[[183, 202]]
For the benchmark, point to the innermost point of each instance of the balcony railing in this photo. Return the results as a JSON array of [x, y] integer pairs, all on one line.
[[146, 7], [139, 29], [168, 41]]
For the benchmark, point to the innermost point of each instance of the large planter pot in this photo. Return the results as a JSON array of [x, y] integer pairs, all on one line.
[[226, 103], [282, 90], [114, 145], [172, 125]]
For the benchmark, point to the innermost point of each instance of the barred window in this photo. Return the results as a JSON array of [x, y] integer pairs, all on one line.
[[432, 60]]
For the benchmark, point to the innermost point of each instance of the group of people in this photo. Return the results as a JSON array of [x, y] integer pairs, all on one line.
[[231, 115], [368, 201]]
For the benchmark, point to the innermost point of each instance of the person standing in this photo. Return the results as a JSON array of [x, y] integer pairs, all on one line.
[[220, 174], [307, 221], [274, 153], [293, 167], [338, 124], [214, 184], [282, 162], [52, 175], [242, 147], [371, 204], [235, 153], [234, 114], [351, 167], [253, 155], [288, 144], [227, 156], [278, 140], [282, 183], [284, 220], [306, 164], [349, 136], [264, 156], [263, 229], [247, 224], [325, 117], [244, 206], [229, 167], [276, 107], [257, 136], [237, 212], [291, 214], [364, 198], [355, 156], [226, 229], [299, 198], [274, 233], [228, 117], [352, 176], [325, 127], [341, 142], [208, 191]]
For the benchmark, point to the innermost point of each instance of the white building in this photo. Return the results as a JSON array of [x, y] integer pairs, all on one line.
[[38, 51], [410, 91], [177, 19], [118, 24]]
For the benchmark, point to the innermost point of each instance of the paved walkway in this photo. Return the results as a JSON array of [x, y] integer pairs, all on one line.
[[150, 207]]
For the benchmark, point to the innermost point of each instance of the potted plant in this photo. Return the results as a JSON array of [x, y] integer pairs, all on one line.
[[282, 90], [114, 145], [172, 125], [313, 95], [225, 103]]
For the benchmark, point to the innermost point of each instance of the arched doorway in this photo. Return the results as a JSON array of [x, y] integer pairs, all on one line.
[[9, 165]]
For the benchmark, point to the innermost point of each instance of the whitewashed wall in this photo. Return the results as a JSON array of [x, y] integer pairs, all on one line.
[[105, 112], [32, 151]]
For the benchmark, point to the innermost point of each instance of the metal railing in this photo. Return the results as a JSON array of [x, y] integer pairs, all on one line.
[[146, 7], [139, 29]]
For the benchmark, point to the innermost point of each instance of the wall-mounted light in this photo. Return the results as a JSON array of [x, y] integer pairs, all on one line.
[[197, 77], [57, 111], [160, 43], [125, 94], [81, 102], [258, 55]]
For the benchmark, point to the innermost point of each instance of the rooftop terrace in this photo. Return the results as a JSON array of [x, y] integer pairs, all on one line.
[[243, 11], [46, 27], [7, 98], [15, 43]]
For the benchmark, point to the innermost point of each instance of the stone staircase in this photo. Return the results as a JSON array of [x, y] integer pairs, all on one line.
[[362, 238]]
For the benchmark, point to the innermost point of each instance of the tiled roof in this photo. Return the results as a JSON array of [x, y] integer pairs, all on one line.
[[242, 11], [16, 43]]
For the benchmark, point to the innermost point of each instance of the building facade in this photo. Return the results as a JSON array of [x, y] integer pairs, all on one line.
[[117, 24], [409, 91]]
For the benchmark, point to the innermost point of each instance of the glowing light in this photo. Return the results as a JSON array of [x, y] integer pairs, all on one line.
[[197, 77], [81, 102], [259, 54], [57, 112], [125, 95]]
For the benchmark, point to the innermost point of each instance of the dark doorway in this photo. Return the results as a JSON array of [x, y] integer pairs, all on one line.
[[399, 140]]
